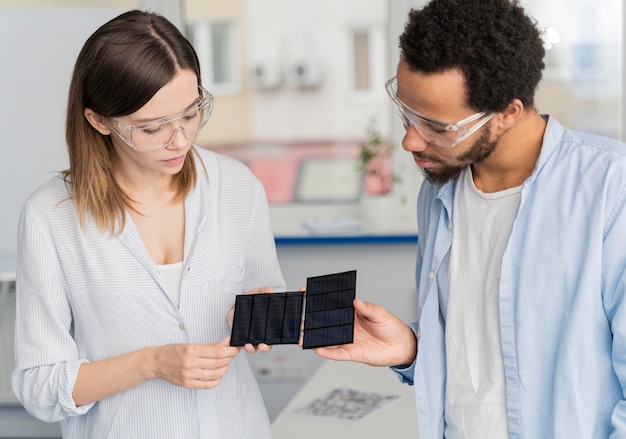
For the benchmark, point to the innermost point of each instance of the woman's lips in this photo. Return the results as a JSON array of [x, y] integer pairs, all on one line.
[[175, 161]]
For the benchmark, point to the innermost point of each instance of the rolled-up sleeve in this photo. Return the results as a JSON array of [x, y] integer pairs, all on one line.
[[46, 356]]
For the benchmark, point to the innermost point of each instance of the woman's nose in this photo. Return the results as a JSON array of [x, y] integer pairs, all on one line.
[[178, 139]]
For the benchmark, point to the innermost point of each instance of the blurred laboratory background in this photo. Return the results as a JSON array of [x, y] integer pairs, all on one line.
[[300, 98]]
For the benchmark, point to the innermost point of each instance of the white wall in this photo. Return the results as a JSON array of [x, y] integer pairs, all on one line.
[[285, 31], [34, 80]]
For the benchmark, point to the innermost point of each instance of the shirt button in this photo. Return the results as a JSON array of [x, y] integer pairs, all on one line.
[[181, 326], [431, 275], [450, 225]]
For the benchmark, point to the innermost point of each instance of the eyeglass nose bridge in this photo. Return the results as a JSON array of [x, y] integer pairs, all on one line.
[[420, 129], [174, 132]]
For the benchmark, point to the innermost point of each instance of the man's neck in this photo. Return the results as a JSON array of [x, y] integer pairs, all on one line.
[[515, 157]]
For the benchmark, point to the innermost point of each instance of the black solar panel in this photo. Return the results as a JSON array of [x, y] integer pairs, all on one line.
[[271, 318], [275, 318], [329, 314]]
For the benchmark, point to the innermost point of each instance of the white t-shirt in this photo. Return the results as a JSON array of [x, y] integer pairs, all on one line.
[[172, 273], [475, 402]]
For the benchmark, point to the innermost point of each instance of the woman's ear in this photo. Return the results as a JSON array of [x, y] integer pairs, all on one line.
[[95, 120]]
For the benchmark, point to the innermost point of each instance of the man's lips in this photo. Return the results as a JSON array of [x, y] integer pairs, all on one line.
[[424, 162]]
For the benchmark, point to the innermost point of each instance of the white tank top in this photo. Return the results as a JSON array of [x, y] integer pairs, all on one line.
[[172, 273], [475, 403]]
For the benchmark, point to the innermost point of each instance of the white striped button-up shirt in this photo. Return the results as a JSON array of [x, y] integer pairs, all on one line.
[[83, 295]]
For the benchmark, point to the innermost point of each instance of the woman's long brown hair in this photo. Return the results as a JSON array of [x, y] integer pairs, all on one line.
[[120, 67]]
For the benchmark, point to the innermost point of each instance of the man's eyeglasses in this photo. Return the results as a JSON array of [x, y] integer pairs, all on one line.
[[158, 134], [443, 134]]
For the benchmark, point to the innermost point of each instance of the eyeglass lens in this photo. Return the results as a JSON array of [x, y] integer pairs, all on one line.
[[161, 135], [427, 132]]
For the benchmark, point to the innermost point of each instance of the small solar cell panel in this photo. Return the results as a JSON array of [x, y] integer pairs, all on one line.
[[276, 318]]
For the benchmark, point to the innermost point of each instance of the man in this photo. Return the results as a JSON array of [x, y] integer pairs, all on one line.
[[521, 265]]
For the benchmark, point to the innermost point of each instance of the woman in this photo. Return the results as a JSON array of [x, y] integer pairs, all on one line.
[[130, 260]]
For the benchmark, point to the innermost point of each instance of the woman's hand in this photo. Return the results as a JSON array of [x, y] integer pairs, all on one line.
[[194, 366]]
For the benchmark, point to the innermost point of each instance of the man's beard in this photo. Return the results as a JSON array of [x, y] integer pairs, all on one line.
[[480, 150]]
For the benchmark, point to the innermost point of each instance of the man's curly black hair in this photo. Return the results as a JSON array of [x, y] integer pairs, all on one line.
[[494, 43]]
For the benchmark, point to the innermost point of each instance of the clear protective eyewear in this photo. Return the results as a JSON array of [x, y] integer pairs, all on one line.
[[160, 133], [443, 134]]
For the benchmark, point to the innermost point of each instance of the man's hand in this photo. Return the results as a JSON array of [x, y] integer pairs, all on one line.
[[380, 339]]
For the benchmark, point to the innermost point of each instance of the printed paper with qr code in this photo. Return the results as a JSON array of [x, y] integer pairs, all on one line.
[[346, 405]]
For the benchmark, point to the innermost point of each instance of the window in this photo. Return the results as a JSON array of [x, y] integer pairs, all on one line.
[[362, 79], [369, 56], [217, 52]]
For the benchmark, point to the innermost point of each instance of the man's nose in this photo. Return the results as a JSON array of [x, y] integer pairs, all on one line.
[[412, 140]]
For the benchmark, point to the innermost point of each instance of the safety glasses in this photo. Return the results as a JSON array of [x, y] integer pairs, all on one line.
[[158, 134], [446, 135]]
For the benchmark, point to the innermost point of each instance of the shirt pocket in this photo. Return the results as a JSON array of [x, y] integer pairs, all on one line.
[[232, 273]]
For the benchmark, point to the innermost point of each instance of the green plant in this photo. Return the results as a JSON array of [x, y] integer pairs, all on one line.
[[376, 162]]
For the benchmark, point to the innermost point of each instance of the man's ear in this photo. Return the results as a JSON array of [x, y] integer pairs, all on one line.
[[95, 120], [511, 114]]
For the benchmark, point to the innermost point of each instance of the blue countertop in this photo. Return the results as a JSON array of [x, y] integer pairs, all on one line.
[[346, 239]]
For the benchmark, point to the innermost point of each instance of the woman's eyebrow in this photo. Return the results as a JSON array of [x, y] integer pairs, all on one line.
[[158, 119]]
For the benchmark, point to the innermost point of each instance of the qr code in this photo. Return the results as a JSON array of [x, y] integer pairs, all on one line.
[[347, 405]]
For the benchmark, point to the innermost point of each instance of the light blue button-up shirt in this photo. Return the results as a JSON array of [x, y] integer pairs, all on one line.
[[84, 295], [562, 288]]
